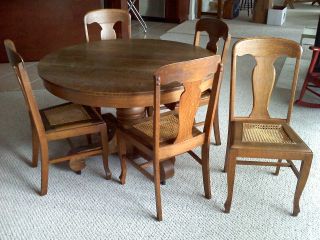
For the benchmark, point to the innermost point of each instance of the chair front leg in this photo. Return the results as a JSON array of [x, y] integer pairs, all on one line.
[[35, 147], [230, 179], [304, 173], [104, 143], [156, 177], [225, 169], [278, 168], [216, 129], [44, 167], [206, 170], [122, 151]]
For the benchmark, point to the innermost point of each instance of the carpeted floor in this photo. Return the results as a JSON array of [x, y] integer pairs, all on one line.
[[90, 207]]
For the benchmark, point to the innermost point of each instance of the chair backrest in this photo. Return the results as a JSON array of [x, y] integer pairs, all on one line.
[[191, 74], [17, 64], [216, 29], [265, 52], [107, 18]]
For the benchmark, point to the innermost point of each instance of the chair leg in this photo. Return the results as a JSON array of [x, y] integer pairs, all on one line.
[[230, 179], [216, 129], [304, 173], [206, 170], [104, 143], [278, 168], [156, 170], [35, 147], [122, 155], [225, 169], [303, 89], [44, 168]]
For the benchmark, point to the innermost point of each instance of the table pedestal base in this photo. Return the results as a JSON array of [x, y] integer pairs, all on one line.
[[127, 116]]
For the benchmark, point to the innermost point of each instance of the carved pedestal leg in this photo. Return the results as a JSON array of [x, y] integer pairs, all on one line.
[[127, 116]]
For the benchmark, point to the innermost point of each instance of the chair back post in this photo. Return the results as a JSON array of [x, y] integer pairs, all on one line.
[[265, 51], [216, 29], [15, 59], [190, 74], [294, 87], [156, 118], [107, 18], [225, 49], [213, 101], [233, 88], [17, 64]]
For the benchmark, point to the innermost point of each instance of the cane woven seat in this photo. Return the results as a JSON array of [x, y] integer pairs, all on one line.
[[68, 115], [169, 126], [265, 133]]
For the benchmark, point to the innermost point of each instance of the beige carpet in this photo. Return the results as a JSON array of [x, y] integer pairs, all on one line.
[[90, 207]]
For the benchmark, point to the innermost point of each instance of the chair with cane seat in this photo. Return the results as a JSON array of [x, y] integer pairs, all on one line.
[[56, 123], [172, 133], [259, 135], [216, 30], [107, 18]]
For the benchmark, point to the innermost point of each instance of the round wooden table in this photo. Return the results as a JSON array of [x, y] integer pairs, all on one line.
[[114, 73]]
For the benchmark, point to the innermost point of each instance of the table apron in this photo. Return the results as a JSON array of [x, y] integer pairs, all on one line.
[[111, 100]]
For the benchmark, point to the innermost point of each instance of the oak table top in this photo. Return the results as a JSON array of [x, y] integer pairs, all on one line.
[[113, 73]]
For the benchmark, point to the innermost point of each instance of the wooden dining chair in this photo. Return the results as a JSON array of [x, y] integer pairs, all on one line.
[[216, 30], [260, 135], [107, 18], [172, 133], [56, 123]]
